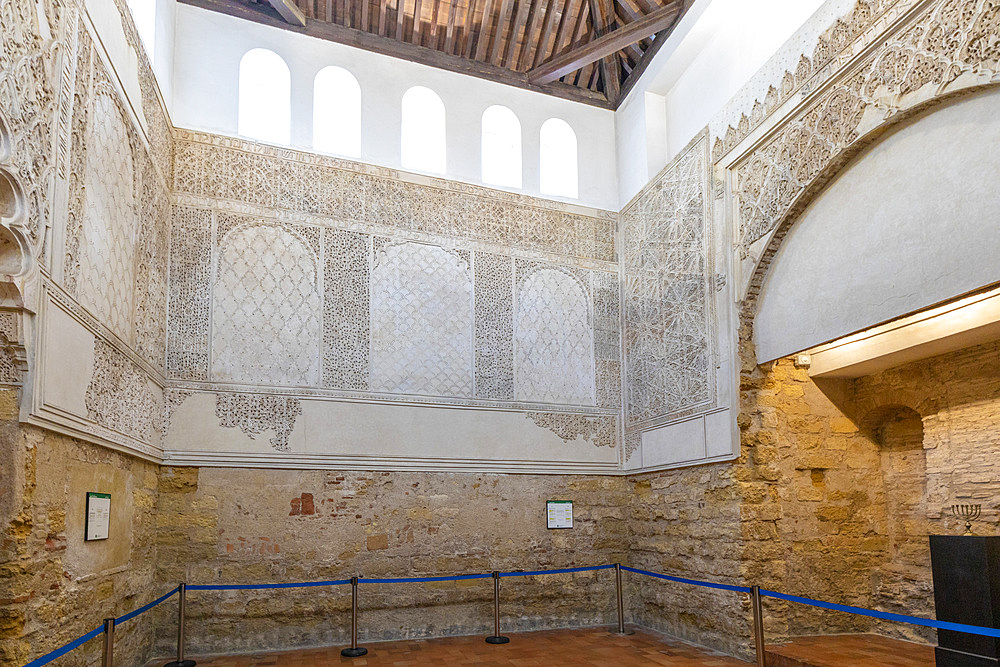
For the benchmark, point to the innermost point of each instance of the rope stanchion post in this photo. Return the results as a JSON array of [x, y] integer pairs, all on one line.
[[618, 594], [758, 624], [496, 638], [354, 651], [181, 615], [109, 643]]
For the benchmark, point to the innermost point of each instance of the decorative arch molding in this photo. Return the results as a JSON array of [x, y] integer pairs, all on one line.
[[932, 54], [18, 268]]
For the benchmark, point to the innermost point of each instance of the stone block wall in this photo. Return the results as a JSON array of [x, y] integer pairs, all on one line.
[[222, 525], [54, 586]]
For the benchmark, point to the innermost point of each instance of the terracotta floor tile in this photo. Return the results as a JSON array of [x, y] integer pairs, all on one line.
[[592, 647]]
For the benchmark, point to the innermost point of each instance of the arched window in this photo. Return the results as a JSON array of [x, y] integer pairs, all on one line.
[[422, 143], [557, 160], [144, 16], [501, 147], [337, 112], [265, 97]]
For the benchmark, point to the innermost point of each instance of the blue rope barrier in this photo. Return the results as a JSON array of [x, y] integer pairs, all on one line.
[[249, 587], [563, 571], [408, 580], [693, 582], [885, 615], [141, 610], [63, 650]]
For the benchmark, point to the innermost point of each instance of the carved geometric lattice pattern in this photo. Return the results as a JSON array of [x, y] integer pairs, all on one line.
[[494, 327], [190, 293], [255, 413], [345, 309], [107, 248], [266, 309], [553, 342], [120, 396], [421, 321], [957, 39], [666, 293]]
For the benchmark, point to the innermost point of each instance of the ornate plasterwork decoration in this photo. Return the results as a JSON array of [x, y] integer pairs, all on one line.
[[30, 43], [266, 307], [607, 339], [421, 321], [190, 291], [633, 441], [949, 47], [239, 170], [255, 413], [553, 337], [13, 357], [848, 35], [494, 326], [598, 431], [106, 282], [172, 399], [121, 396], [346, 299], [667, 294]]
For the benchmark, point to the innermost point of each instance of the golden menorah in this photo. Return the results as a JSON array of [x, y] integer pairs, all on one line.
[[968, 513]]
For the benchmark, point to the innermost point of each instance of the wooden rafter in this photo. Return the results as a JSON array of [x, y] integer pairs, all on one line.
[[605, 45], [591, 51], [288, 11]]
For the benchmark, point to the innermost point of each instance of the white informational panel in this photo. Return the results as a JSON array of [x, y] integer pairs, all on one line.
[[559, 513], [98, 521]]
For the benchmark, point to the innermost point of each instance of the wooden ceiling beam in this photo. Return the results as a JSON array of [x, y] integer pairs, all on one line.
[[382, 18], [523, 20], [650, 52], [449, 34], [418, 22], [287, 10], [484, 30], [400, 19], [543, 40], [605, 45], [403, 50], [506, 6], [470, 19], [564, 23]]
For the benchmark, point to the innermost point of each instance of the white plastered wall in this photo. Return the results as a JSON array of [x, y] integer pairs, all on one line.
[[910, 223], [209, 46], [708, 60]]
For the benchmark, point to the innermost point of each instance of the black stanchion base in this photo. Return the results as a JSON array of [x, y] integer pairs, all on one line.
[[355, 652], [498, 640], [625, 633], [181, 663]]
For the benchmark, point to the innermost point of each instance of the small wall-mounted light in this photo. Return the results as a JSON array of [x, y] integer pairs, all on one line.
[[803, 361]]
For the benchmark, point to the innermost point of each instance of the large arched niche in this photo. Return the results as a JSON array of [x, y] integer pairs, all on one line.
[[912, 221]]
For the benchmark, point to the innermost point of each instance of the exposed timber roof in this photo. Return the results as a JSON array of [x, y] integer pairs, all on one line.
[[590, 51]]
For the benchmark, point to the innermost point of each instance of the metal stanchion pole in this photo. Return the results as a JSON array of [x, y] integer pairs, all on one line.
[[758, 624], [621, 604], [109, 643], [496, 638], [181, 614], [354, 651]]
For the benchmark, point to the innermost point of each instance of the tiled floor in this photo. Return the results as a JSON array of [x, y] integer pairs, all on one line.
[[841, 650], [585, 648]]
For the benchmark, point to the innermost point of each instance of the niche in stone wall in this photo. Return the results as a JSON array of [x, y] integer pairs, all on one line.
[[421, 320], [899, 433], [107, 243], [266, 308], [553, 339]]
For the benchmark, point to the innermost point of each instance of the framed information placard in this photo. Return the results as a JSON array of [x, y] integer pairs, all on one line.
[[98, 519], [559, 513]]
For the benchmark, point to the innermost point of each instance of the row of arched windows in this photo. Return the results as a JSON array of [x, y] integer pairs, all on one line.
[[265, 115]]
